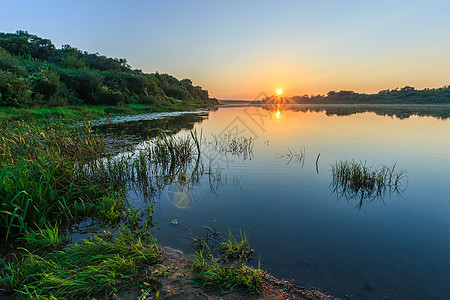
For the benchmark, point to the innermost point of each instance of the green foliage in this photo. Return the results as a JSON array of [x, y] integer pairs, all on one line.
[[14, 90], [93, 268], [34, 72], [110, 206]]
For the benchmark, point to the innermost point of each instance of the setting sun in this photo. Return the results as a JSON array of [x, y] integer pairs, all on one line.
[[279, 91]]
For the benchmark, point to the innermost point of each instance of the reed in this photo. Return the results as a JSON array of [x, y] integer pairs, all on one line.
[[239, 146], [356, 180]]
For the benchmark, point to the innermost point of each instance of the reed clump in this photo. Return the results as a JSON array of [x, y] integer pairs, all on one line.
[[239, 146], [354, 179], [226, 277]]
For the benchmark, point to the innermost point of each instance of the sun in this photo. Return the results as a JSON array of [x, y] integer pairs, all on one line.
[[278, 114], [279, 91]]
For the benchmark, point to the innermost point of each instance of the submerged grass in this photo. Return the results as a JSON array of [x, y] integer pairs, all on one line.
[[90, 269], [356, 180]]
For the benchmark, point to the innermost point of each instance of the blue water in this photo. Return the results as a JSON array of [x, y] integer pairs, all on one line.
[[395, 247]]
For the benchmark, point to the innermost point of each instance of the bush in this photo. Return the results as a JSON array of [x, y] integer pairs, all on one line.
[[14, 90]]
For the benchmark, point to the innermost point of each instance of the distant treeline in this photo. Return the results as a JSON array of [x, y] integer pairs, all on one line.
[[33, 72], [404, 95]]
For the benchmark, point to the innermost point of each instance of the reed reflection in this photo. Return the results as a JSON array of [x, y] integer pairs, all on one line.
[[355, 180]]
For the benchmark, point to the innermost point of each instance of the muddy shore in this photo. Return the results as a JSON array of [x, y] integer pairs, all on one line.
[[178, 284]]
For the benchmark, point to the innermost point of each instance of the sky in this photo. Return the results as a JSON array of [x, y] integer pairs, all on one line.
[[240, 49]]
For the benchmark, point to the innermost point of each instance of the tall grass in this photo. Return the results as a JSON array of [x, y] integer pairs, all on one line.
[[90, 269], [39, 177], [56, 174], [356, 180]]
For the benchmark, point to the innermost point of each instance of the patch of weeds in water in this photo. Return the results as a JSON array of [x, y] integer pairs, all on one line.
[[90, 269], [225, 277], [238, 146], [176, 151], [110, 206], [233, 249], [355, 180]]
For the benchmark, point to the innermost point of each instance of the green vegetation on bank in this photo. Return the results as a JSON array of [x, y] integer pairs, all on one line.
[[34, 73], [74, 113], [92, 269]]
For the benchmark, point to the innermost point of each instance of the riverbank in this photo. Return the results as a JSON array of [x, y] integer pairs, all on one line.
[[179, 283], [72, 114], [45, 193]]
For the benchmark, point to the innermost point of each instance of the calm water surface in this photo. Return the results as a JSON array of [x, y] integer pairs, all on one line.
[[396, 247]]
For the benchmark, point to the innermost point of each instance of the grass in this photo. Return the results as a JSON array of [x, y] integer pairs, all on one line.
[[39, 174], [356, 180], [91, 269], [47, 238], [229, 271], [71, 114], [233, 249]]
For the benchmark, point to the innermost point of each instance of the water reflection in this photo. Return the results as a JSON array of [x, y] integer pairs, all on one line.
[[294, 156], [441, 111], [128, 134], [183, 195], [175, 166]]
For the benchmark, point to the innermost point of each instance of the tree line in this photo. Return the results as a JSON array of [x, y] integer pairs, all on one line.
[[33, 72], [406, 94]]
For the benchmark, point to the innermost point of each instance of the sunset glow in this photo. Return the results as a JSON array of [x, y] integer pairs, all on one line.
[[279, 91]]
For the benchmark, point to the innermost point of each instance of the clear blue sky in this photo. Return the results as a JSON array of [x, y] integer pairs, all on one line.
[[236, 49]]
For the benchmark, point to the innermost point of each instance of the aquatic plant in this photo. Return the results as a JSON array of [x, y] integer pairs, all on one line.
[[239, 146], [226, 278], [292, 156], [353, 179], [233, 249]]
